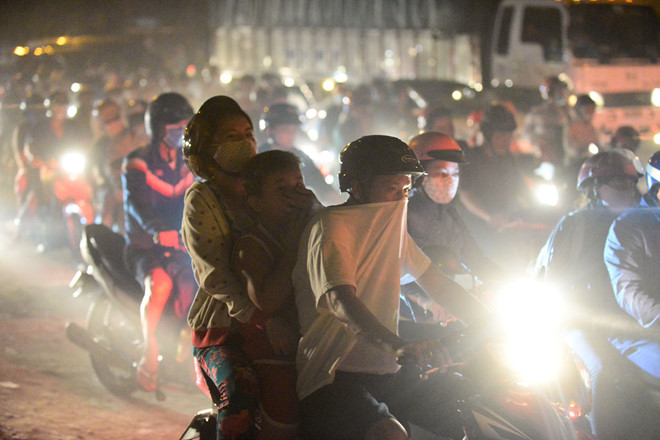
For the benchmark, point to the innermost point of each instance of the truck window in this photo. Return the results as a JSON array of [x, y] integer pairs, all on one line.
[[542, 26], [606, 32], [505, 31]]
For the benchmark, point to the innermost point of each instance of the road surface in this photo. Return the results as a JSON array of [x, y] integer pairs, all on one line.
[[48, 390]]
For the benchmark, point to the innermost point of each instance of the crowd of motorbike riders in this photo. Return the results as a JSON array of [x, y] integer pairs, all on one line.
[[277, 271]]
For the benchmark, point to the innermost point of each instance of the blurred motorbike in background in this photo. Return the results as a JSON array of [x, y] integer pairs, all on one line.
[[113, 335], [74, 197]]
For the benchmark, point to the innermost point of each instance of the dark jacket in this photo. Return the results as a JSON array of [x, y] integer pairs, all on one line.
[[151, 202], [434, 225]]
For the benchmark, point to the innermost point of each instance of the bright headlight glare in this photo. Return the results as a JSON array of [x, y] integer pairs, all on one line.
[[598, 98], [655, 97], [547, 194], [534, 361], [73, 163], [527, 298], [530, 313]]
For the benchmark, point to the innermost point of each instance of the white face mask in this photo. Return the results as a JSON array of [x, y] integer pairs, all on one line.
[[174, 137], [232, 156], [441, 189]]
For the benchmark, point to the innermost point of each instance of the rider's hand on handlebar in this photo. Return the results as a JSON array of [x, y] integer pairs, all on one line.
[[168, 239], [426, 354]]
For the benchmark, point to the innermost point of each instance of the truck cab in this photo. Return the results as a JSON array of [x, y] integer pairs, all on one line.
[[610, 51]]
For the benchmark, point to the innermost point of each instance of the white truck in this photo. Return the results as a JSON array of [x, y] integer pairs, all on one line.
[[607, 48]]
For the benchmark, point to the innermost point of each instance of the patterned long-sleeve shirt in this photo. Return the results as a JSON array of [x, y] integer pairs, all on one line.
[[210, 226]]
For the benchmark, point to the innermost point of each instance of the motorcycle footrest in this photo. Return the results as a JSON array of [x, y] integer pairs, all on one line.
[[203, 426]]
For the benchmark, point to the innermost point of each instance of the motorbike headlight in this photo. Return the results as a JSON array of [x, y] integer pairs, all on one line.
[[530, 315], [73, 163], [655, 97], [547, 194]]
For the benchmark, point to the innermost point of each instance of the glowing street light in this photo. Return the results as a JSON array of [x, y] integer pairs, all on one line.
[[21, 50]]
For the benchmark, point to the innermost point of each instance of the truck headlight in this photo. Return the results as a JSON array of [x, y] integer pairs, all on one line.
[[655, 97]]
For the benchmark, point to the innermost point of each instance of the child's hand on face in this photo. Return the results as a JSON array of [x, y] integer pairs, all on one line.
[[299, 199], [299, 202]]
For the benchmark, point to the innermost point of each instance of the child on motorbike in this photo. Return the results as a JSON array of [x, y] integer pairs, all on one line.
[[264, 258], [351, 262], [218, 142]]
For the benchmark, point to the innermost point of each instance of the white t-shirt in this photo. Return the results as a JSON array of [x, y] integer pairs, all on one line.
[[366, 246]]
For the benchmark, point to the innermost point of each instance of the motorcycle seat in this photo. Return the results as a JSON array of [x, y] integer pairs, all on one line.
[[106, 249]]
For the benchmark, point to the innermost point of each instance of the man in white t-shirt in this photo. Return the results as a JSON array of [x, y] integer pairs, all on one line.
[[352, 260]]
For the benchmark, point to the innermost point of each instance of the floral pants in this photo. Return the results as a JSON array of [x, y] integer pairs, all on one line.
[[230, 371]]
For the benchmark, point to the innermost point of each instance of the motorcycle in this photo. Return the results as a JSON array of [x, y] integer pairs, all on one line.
[[523, 381], [64, 201], [74, 195], [519, 380], [113, 335]]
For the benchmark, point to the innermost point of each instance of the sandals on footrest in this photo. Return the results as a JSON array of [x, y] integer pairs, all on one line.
[[148, 380]]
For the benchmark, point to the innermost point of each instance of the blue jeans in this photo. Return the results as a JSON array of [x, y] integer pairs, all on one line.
[[618, 411], [645, 354]]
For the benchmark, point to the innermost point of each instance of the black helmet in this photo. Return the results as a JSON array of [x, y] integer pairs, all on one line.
[[279, 114], [167, 108], [376, 155], [198, 150], [497, 118]]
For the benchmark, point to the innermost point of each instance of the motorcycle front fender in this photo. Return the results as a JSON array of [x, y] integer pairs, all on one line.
[[513, 411]]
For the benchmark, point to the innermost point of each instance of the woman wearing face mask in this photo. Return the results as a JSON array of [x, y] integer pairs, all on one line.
[[572, 261], [433, 221], [218, 142]]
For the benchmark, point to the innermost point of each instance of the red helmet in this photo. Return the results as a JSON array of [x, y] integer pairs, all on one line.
[[433, 145], [605, 165]]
